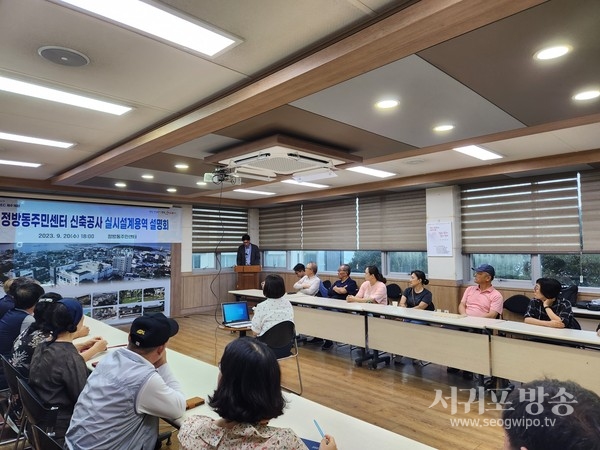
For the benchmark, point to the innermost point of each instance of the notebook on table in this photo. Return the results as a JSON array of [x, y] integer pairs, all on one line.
[[235, 315]]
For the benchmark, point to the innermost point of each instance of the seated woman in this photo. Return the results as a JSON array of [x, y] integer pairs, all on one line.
[[38, 332], [416, 296], [248, 395], [373, 290], [274, 309], [546, 308], [58, 372]]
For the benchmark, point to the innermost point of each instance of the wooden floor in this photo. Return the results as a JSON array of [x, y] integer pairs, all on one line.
[[397, 397]]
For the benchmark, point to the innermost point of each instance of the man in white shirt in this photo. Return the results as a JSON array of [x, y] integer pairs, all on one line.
[[128, 391], [309, 283]]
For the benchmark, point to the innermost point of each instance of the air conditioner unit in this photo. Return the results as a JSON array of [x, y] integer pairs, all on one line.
[[281, 155]]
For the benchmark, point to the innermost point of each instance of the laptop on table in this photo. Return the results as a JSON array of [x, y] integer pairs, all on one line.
[[235, 315]]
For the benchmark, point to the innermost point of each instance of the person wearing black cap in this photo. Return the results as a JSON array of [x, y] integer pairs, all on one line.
[[58, 371], [128, 391]]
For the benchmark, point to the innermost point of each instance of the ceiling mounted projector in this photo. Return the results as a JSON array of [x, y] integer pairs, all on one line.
[[220, 176]]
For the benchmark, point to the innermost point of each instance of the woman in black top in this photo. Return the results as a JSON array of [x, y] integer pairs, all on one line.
[[416, 296]]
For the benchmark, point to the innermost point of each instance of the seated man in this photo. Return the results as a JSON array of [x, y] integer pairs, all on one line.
[[482, 300], [128, 391], [567, 417], [7, 302], [18, 319], [344, 286], [340, 289], [309, 283], [546, 308]]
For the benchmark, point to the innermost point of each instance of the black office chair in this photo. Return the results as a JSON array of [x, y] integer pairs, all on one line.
[[281, 338], [13, 416], [517, 303], [394, 293], [45, 441], [36, 414]]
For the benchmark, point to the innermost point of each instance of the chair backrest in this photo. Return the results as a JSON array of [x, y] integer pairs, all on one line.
[[45, 442], [36, 412], [574, 324], [394, 292], [517, 303], [280, 335], [12, 375], [569, 292], [323, 290]]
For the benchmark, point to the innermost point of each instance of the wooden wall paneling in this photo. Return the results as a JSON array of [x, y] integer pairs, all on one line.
[[175, 279], [203, 292]]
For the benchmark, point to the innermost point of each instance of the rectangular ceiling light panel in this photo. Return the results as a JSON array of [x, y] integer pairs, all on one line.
[[155, 20]]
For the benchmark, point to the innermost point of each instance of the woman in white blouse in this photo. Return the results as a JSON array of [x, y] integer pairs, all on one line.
[[373, 290], [275, 309]]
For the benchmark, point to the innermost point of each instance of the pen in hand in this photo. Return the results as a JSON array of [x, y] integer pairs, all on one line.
[[320, 430]]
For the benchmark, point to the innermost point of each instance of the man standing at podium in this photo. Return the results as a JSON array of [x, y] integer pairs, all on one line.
[[248, 254]]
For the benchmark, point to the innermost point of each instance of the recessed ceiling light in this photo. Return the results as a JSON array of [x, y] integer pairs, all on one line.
[[120, 184], [304, 183], [252, 191], [54, 95], [387, 104], [443, 127], [372, 172], [7, 162], [148, 176], [171, 190], [170, 26], [34, 140], [200, 183], [586, 95], [182, 166], [477, 152], [552, 52]]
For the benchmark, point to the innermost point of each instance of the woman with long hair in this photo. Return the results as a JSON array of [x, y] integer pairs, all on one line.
[[373, 290], [247, 397]]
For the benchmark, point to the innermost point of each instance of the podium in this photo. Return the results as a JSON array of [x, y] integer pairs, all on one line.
[[247, 277]]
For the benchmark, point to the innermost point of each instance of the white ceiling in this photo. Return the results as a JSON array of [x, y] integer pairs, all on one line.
[[311, 70]]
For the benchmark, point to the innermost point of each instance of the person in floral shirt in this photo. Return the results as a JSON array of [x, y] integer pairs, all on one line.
[[248, 395]]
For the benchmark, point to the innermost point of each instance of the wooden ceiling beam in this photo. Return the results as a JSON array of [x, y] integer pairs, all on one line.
[[415, 28]]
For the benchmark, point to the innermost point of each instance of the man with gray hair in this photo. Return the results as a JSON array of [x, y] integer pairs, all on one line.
[[309, 283]]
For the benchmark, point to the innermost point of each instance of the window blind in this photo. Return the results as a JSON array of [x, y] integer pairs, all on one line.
[[280, 228], [329, 225], [393, 222], [590, 204], [524, 216], [217, 229]]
